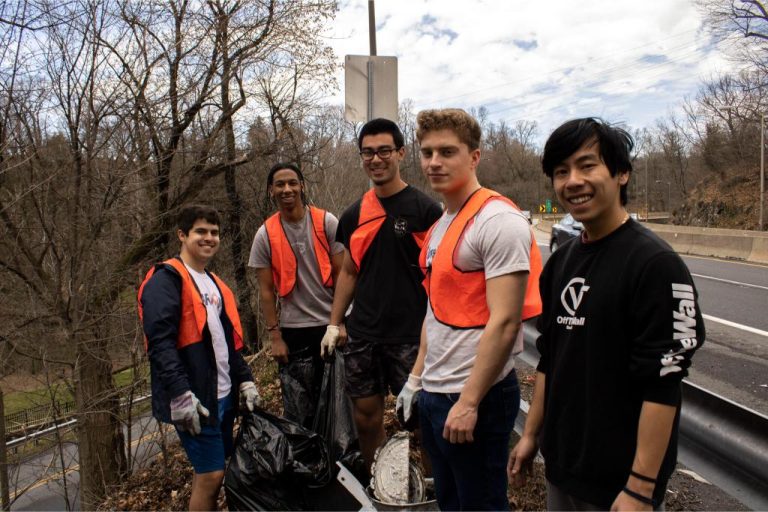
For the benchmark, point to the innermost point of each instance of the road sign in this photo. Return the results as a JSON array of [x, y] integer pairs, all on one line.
[[549, 206], [370, 88], [542, 208]]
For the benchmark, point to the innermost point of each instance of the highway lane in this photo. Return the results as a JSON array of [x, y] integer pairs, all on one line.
[[733, 361], [731, 290]]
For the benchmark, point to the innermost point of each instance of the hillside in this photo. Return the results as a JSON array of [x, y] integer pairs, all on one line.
[[723, 202]]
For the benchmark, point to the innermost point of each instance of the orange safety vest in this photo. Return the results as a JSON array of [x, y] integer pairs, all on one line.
[[193, 312], [372, 216], [284, 259], [457, 297]]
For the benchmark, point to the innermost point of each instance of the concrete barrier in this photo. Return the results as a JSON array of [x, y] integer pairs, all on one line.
[[759, 252], [736, 244], [721, 243]]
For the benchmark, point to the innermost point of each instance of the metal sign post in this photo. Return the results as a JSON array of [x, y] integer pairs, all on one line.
[[370, 88]]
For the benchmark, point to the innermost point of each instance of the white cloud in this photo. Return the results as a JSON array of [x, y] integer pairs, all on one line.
[[623, 60]]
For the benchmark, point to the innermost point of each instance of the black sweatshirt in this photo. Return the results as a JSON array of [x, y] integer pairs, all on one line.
[[619, 327]]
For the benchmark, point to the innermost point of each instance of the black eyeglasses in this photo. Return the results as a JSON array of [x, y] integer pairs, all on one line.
[[384, 153]]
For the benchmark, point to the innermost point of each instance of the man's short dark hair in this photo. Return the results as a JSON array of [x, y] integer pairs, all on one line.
[[381, 125], [194, 212], [286, 165], [615, 146], [279, 167]]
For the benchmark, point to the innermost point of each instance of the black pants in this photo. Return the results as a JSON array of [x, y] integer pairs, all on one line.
[[301, 377]]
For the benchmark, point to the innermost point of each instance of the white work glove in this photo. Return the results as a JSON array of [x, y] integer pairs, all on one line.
[[328, 344], [407, 397], [185, 412], [250, 395]]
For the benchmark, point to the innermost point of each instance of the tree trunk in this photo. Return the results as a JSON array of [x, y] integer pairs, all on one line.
[[234, 218], [98, 429]]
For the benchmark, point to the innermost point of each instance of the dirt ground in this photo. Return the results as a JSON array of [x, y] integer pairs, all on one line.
[[165, 484]]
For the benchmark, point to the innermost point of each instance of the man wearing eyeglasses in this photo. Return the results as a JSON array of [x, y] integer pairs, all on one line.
[[382, 235]]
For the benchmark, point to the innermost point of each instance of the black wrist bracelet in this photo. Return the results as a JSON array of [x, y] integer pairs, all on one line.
[[642, 477], [639, 497]]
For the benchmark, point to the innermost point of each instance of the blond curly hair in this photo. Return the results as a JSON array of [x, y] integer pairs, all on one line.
[[466, 128]]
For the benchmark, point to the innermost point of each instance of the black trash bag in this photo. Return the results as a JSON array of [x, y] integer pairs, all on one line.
[[274, 462], [299, 384], [334, 420]]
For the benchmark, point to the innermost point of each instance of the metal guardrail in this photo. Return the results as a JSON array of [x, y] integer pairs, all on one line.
[[55, 424], [20, 421], [721, 440], [41, 416]]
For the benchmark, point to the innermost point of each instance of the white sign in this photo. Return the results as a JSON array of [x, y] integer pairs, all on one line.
[[370, 88]]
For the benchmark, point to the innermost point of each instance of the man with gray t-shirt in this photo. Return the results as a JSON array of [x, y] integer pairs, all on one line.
[[297, 262], [478, 257]]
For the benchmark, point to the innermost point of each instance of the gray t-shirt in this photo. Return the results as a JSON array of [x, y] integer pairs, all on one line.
[[309, 304], [499, 242]]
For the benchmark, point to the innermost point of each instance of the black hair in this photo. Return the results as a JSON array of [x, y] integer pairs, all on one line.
[[381, 125], [615, 146], [279, 167], [192, 213]]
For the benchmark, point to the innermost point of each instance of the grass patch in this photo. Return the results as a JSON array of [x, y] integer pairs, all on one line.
[[21, 400]]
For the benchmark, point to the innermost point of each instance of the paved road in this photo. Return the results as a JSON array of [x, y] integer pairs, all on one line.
[[38, 483], [734, 299]]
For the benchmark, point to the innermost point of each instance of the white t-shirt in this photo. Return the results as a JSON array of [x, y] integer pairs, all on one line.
[[499, 242], [213, 305], [309, 304]]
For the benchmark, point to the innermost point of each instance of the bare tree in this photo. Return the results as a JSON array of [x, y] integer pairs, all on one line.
[[743, 26], [115, 113]]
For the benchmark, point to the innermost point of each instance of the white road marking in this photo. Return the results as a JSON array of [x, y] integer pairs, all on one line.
[[712, 258], [735, 325], [739, 283]]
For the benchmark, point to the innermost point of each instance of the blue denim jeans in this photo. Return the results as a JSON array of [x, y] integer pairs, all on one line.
[[471, 476]]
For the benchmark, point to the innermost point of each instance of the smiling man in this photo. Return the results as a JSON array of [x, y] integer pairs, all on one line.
[[194, 341], [619, 327], [297, 263], [382, 234], [482, 267]]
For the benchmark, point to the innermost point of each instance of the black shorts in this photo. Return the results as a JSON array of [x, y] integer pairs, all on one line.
[[377, 368]]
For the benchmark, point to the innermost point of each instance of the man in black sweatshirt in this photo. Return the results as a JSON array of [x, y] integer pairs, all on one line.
[[619, 326]]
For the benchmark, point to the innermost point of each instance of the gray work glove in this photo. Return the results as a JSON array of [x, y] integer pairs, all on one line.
[[250, 395], [185, 412], [328, 344], [407, 398]]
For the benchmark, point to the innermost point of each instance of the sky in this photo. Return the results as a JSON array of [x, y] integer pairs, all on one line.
[[626, 61]]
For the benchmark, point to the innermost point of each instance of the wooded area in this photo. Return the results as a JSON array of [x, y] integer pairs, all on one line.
[[114, 113]]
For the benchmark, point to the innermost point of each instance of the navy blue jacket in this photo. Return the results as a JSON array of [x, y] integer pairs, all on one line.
[[176, 371]]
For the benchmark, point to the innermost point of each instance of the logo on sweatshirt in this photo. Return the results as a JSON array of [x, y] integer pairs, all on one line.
[[571, 298], [683, 328], [401, 227]]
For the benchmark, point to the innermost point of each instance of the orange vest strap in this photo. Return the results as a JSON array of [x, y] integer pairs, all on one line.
[[193, 312], [458, 298], [322, 246], [284, 263], [372, 216]]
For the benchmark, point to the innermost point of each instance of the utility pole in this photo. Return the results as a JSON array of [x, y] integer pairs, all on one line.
[[760, 224], [372, 42], [646, 188], [5, 499], [761, 199]]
